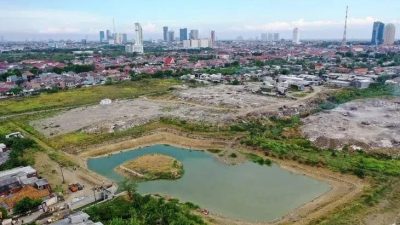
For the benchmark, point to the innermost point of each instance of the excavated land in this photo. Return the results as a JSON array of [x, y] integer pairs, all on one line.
[[211, 104], [231, 96], [121, 115], [371, 125]]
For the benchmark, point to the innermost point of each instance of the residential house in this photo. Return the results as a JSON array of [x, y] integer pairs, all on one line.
[[79, 218]]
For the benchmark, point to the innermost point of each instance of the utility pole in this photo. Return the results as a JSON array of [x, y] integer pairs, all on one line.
[[62, 173], [94, 193]]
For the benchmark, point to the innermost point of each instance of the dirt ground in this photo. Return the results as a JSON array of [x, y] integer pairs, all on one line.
[[52, 172], [231, 96], [121, 115], [363, 124], [387, 211], [211, 104]]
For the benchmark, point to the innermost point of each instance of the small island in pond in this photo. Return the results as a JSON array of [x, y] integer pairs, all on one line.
[[152, 167]]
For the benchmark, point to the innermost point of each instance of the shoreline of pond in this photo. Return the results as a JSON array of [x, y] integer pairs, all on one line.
[[343, 189]]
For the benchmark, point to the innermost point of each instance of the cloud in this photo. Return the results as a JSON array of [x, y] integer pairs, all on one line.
[[151, 28], [58, 30], [48, 21], [305, 25]]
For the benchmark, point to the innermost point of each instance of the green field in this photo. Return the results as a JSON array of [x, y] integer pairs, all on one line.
[[84, 96]]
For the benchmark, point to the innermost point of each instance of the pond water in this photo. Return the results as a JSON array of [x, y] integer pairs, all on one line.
[[247, 191]]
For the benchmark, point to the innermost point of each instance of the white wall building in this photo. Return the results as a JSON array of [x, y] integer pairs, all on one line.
[[205, 43], [197, 43], [389, 34], [118, 38], [296, 36], [138, 46]]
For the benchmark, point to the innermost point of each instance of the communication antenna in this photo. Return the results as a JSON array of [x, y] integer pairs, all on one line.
[[345, 27]]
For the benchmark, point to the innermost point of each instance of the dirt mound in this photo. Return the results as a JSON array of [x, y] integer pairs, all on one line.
[[363, 124]]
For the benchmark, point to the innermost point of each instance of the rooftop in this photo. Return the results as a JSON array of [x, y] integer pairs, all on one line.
[[14, 171]]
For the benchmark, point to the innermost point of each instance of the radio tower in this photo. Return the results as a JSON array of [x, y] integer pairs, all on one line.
[[345, 28]]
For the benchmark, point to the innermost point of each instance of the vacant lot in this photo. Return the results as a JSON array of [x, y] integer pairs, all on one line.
[[211, 104], [84, 96], [122, 115], [231, 96], [366, 124]]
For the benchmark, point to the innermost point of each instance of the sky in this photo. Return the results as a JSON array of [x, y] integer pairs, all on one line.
[[79, 19]]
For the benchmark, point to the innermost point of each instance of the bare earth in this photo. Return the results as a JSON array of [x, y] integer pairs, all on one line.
[[366, 124], [230, 96], [212, 104], [344, 187]]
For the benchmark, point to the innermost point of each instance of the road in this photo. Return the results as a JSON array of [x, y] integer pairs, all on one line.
[[78, 174]]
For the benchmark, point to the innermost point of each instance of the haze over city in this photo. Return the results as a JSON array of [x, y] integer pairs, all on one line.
[[46, 19]]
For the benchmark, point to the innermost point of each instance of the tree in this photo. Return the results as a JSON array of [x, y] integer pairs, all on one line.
[[235, 82], [58, 70], [130, 186], [26, 204], [35, 71], [285, 71], [3, 213], [108, 81], [16, 90]]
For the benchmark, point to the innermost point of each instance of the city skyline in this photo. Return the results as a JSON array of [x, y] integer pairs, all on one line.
[[22, 19]]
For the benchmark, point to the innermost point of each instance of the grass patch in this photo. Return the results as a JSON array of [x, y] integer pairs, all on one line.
[[84, 96], [346, 95], [152, 167], [214, 151], [258, 159], [233, 155], [357, 211]]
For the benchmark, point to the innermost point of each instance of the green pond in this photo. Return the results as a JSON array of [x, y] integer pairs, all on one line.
[[247, 191]]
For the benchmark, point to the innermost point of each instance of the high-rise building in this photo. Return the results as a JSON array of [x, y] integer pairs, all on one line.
[[270, 37], [194, 35], [171, 36], [183, 34], [117, 38], [124, 38], [377, 33], [276, 36], [138, 46], [264, 37], [109, 35], [213, 39], [296, 36], [389, 34], [165, 33], [102, 36]]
